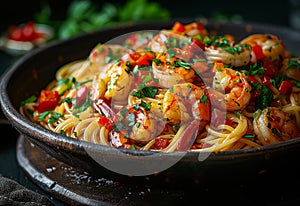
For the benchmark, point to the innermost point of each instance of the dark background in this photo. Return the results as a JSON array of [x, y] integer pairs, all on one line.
[[265, 11]]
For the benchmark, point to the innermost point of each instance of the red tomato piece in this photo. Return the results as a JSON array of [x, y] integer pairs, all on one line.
[[257, 50], [285, 86], [161, 143], [15, 33], [47, 100], [198, 43], [26, 32], [178, 27], [104, 121], [145, 59], [200, 27]]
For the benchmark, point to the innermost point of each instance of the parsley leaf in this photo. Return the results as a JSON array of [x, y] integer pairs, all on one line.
[[147, 91]]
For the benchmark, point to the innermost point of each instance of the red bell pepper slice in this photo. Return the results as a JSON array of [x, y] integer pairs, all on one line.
[[285, 86], [257, 50], [47, 100]]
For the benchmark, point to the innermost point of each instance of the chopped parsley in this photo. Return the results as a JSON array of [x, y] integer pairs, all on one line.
[[254, 69], [204, 99], [147, 91], [249, 136], [54, 116], [146, 105], [276, 132], [31, 99], [293, 64], [265, 97], [185, 65]]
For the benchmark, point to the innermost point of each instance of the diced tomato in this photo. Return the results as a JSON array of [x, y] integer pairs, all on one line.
[[198, 44], [135, 56], [161, 143], [145, 59], [141, 59], [178, 27], [285, 86], [104, 121], [200, 27], [47, 100], [229, 122], [227, 90], [257, 50]]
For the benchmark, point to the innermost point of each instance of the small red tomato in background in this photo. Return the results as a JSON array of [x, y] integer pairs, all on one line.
[[25, 32]]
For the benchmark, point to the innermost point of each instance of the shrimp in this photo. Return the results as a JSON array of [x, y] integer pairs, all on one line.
[[181, 39], [272, 47], [164, 40], [171, 71], [230, 89], [119, 81], [103, 54], [186, 102], [98, 59], [136, 123], [223, 49], [273, 125], [291, 68]]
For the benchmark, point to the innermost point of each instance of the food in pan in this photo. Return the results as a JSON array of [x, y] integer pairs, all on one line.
[[181, 89]]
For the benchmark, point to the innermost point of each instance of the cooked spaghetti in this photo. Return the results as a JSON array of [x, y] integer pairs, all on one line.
[[182, 89]]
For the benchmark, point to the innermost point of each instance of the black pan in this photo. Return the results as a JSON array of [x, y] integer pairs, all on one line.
[[34, 71]]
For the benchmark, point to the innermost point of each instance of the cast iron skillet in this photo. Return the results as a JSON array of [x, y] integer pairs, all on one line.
[[34, 71]]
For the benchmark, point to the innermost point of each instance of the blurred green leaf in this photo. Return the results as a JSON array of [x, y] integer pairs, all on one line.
[[108, 12], [81, 9], [85, 15], [44, 15], [141, 10]]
